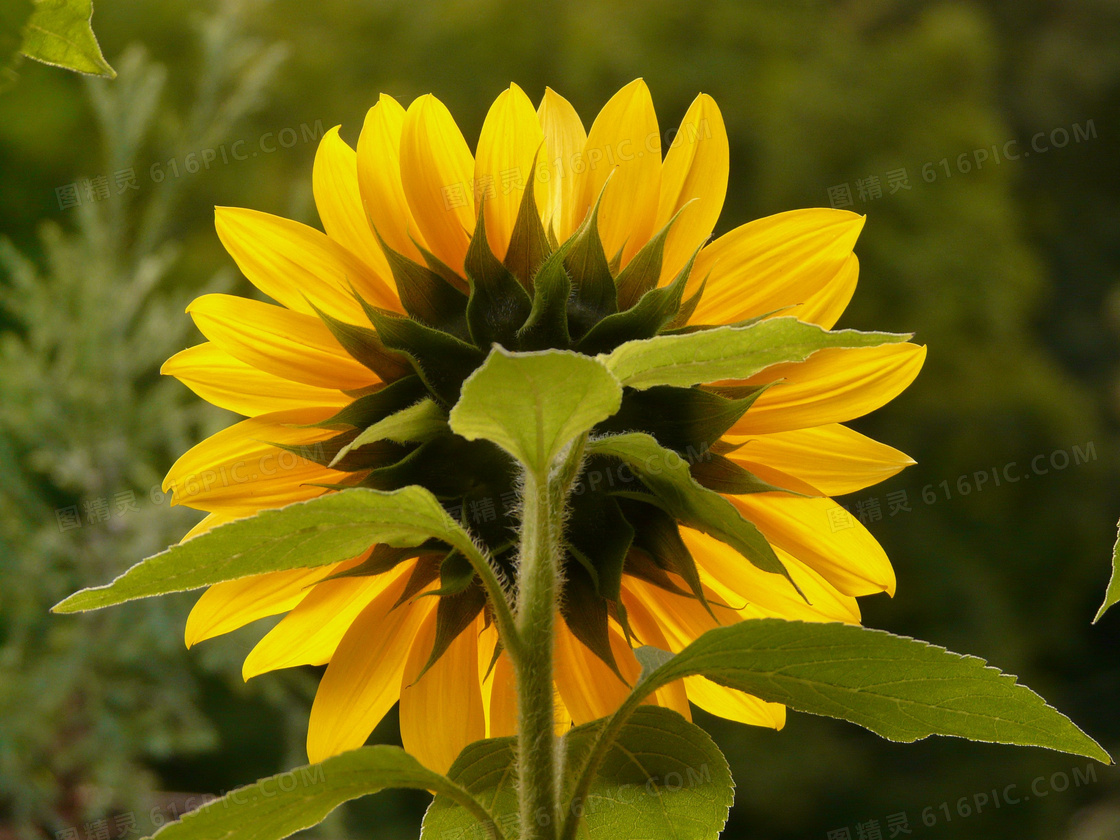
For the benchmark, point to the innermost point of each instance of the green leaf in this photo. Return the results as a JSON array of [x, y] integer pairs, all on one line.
[[416, 424], [899, 688], [1113, 594], [60, 33], [667, 476], [487, 771], [533, 405], [728, 352], [281, 805], [662, 779], [327, 529]]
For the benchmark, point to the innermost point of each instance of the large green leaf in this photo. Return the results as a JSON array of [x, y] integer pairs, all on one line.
[[662, 779], [899, 688], [667, 475], [328, 529], [281, 805], [728, 352], [60, 33], [1113, 594], [532, 405]]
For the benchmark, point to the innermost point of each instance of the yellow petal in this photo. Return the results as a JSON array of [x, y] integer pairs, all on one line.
[[239, 471], [825, 306], [275, 340], [297, 265], [683, 620], [222, 380], [588, 687], [833, 459], [738, 582], [734, 705], [511, 137], [208, 522], [823, 536], [772, 263], [834, 385], [436, 171], [441, 711], [312, 631], [564, 140], [501, 700], [227, 606], [695, 171], [624, 143], [363, 679], [499, 689], [334, 181], [646, 628], [379, 178]]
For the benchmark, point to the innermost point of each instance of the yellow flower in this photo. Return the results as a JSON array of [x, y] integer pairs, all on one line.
[[400, 215]]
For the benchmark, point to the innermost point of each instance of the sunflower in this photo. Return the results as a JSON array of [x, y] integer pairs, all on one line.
[[430, 255]]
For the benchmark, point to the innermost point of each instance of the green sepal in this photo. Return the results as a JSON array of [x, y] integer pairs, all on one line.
[[593, 291], [643, 272], [667, 477], [450, 467], [426, 295], [547, 325], [586, 613], [640, 564], [441, 268], [599, 537], [384, 558], [645, 319], [368, 409], [455, 612], [442, 360], [417, 423], [688, 308], [499, 305], [686, 420], [656, 533], [335, 453], [423, 573], [364, 345], [528, 244], [725, 476]]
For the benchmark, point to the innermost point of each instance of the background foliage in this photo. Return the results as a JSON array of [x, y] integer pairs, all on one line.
[[1008, 271]]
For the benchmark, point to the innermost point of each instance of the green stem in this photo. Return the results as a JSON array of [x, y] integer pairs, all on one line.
[[542, 524]]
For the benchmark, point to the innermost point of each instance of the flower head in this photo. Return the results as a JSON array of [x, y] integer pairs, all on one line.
[[547, 237]]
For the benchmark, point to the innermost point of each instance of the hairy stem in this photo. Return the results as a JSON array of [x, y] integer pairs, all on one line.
[[542, 524]]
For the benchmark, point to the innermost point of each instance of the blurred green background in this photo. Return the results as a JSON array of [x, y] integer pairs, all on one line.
[[998, 246]]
